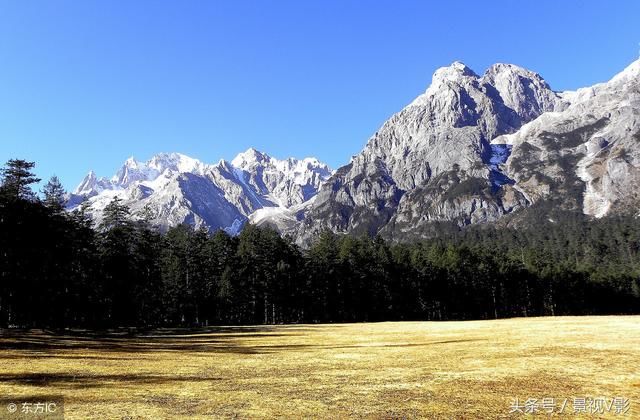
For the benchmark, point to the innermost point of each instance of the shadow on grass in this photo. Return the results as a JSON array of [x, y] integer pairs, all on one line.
[[39, 344], [84, 381], [47, 344], [52, 345]]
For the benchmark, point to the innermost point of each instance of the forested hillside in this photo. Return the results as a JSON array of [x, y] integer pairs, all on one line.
[[58, 270]]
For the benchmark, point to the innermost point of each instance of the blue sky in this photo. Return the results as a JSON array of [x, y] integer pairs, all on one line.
[[86, 84]]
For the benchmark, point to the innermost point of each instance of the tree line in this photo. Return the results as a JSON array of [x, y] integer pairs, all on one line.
[[58, 270]]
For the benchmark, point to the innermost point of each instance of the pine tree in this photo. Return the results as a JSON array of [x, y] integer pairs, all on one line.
[[116, 215], [54, 195], [17, 177], [117, 247]]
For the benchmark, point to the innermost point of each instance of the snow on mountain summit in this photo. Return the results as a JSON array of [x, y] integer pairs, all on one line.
[[176, 162], [249, 157], [176, 188], [630, 73], [285, 182], [134, 171]]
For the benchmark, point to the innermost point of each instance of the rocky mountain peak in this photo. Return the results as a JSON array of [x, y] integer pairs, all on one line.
[[450, 156], [522, 90], [456, 72], [249, 157], [176, 162], [509, 70], [87, 183]]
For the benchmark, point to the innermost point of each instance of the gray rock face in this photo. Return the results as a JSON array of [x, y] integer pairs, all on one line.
[[587, 157], [470, 149], [171, 189], [432, 160]]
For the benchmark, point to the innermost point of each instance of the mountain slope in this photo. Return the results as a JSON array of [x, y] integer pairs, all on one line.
[[472, 149], [587, 157]]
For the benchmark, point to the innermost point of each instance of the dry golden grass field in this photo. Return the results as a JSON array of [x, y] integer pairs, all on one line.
[[470, 369]]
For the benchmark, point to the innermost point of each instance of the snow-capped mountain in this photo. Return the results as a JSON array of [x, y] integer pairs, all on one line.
[[287, 182], [134, 171], [172, 188], [472, 149]]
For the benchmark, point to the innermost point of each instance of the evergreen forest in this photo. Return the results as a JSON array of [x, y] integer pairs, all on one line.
[[59, 270]]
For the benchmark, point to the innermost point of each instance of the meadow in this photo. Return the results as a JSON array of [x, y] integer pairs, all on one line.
[[470, 369]]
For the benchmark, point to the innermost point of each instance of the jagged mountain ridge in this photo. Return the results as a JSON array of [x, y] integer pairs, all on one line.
[[470, 149], [172, 188], [473, 149]]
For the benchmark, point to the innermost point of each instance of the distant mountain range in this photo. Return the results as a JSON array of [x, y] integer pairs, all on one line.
[[470, 149], [172, 188]]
